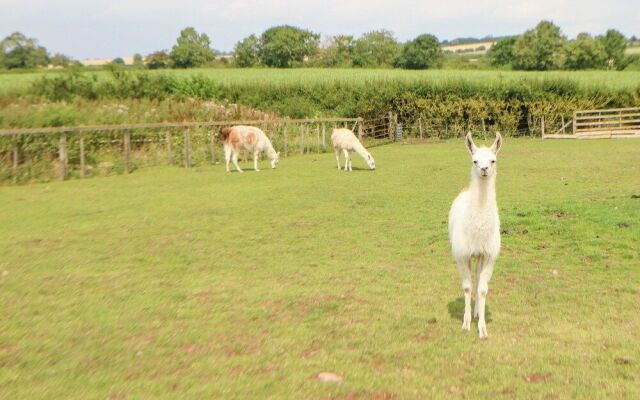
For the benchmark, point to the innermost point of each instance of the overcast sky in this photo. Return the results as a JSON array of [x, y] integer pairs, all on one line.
[[118, 28]]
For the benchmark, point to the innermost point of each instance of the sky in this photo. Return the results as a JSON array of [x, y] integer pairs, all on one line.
[[119, 28]]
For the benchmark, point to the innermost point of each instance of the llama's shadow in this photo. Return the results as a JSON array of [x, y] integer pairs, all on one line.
[[456, 309], [359, 169]]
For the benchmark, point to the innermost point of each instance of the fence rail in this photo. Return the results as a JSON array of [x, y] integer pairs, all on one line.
[[605, 123], [165, 125]]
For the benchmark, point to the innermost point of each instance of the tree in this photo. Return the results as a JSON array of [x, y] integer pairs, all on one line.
[[158, 59], [118, 61], [60, 60], [138, 61], [192, 49], [615, 45], [421, 53], [584, 52], [540, 48], [18, 51], [376, 49], [281, 46], [501, 53], [337, 51], [247, 52]]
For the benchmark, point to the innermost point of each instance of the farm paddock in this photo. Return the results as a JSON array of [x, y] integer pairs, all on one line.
[[172, 282]]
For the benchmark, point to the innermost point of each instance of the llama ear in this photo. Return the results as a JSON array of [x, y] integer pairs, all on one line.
[[470, 145], [495, 147]]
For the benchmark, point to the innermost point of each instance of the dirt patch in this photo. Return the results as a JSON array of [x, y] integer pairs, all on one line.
[[622, 360], [536, 378]]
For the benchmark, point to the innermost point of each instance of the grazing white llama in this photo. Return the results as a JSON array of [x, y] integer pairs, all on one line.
[[474, 229], [345, 140], [251, 138]]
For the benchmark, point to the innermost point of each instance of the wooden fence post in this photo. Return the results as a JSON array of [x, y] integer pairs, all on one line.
[[420, 126], [62, 156], [563, 125], [286, 147], [301, 131], [212, 147], [359, 123], [575, 116], [127, 151], [391, 127], [169, 148], [542, 126], [15, 153], [187, 148], [318, 137], [82, 160], [324, 136]]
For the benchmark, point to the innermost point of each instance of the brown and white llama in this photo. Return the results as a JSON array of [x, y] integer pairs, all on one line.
[[251, 138], [345, 140], [474, 230]]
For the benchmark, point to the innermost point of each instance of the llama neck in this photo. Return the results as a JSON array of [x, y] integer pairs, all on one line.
[[359, 148], [483, 191], [271, 152]]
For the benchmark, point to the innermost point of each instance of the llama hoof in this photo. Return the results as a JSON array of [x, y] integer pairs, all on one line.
[[482, 330], [466, 323]]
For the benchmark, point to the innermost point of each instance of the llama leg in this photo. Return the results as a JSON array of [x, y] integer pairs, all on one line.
[[255, 160], [338, 157], [464, 268], [227, 155], [478, 269], [483, 290], [234, 158], [346, 159]]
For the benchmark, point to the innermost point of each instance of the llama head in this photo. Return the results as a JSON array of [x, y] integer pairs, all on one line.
[[370, 161], [275, 158], [484, 158]]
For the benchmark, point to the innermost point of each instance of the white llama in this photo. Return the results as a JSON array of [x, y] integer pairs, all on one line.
[[251, 138], [474, 229], [345, 140]]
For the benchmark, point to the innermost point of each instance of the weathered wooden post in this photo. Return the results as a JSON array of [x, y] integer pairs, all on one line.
[[127, 151], [420, 126], [15, 153], [82, 159], [575, 116], [391, 128], [359, 123], [563, 124], [187, 148], [169, 148], [62, 156], [301, 131], [318, 138], [542, 126], [324, 136], [286, 147], [212, 147]]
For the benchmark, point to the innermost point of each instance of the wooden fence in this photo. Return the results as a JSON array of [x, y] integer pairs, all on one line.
[[288, 135], [596, 124]]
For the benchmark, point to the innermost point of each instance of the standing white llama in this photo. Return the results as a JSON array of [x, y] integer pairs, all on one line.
[[345, 140], [474, 229]]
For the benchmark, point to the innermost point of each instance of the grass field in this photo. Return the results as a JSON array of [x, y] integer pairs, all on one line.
[[607, 79], [174, 283]]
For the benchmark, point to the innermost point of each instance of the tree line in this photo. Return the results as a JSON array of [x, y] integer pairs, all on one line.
[[541, 48]]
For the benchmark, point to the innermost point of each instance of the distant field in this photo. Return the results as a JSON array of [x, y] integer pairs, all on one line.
[[175, 283], [608, 79]]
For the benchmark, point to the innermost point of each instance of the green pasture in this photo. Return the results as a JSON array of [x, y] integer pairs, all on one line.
[[176, 283], [586, 79]]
